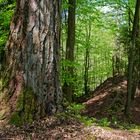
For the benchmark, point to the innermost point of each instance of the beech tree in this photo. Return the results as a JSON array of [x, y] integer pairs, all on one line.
[[32, 53], [133, 60], [68, 87]]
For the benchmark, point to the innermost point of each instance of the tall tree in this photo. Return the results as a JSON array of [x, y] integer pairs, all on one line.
[[87, 59], [32, 53], [132, 61], [68, 85]]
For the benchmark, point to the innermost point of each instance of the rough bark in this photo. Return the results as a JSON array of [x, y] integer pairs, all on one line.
[[32, 52]]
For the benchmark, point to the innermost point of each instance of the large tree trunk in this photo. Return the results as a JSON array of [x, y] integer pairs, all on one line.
[[32, 52]]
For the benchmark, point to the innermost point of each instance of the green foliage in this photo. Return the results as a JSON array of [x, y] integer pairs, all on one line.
[[73, 111], [86, 120], [104, 122], [5, 16], [98, 31], [114, 120], [75, 108], [128, 126]]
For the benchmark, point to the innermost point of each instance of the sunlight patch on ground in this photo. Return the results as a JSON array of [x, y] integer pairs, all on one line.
[[97, 98]]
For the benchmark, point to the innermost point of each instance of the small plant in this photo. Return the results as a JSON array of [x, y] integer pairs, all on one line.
[[73, 112], [76, 108], [104, 122], [85, 119], [114, 120]]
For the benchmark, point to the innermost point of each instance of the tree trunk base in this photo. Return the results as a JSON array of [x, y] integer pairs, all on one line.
[[18, 104]]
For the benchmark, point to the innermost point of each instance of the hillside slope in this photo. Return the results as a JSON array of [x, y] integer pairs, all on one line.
[[108, 100]]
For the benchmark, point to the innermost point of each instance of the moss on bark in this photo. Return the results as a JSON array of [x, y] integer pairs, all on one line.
[[25, 108]]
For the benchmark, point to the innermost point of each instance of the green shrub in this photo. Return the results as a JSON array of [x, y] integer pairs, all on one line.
[[6, 13], [76, 108], [104, 122]]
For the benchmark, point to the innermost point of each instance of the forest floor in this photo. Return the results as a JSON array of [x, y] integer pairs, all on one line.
[[104, 110]]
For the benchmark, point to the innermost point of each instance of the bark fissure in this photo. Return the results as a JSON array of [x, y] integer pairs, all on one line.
[[33, 51]]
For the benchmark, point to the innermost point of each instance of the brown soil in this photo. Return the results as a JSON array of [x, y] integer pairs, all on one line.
[[58, 129]]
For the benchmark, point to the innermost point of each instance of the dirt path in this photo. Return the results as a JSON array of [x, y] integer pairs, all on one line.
[[54, 129], [104, 134]]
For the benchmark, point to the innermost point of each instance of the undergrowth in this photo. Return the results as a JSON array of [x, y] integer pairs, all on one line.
[[73, 111]]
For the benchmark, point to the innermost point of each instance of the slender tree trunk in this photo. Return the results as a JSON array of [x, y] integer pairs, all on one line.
[[87, 58], [116, 60], [32, 53], [131, 60], [68, 87]]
